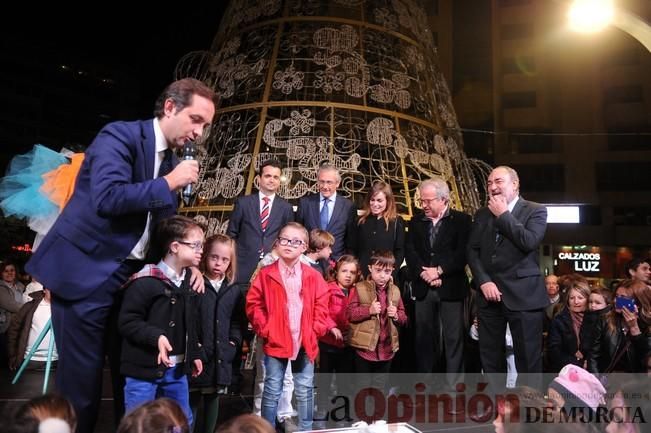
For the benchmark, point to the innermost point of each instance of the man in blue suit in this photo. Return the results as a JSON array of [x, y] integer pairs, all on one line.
[[126, 184], [328, 211], [257, 219]]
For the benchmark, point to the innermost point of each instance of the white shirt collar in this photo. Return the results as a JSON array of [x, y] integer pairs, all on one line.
[[216, 284], [332, 198], [170, 273], [512, 204], [161, 141], [270, 197]]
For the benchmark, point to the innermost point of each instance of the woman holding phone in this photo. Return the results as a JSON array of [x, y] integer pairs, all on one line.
[[623, 336]]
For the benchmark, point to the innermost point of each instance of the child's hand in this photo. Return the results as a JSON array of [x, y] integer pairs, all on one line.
[[197, 368], [375, 308], [392, 311], [337, 334], [164, 347], [196, 280]]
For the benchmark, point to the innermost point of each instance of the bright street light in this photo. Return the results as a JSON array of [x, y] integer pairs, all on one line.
[[589, 16]]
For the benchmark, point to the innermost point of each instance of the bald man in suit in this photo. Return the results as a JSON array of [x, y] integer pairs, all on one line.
[[503, 256]]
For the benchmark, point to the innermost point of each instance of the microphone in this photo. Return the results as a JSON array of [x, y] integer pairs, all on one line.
[[189, 153]]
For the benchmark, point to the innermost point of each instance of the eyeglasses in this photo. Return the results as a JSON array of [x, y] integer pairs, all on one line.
[[197, 246], [327, 182], [428, 202], [293, 242]]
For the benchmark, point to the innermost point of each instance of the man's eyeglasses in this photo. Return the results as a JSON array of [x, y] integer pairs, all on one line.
[[197, 246], [420, 202], [327, 182], [293, 242]]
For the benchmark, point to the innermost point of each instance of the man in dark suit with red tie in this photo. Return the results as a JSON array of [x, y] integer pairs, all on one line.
[[257, 219], [328, 210], [127, 183], [503, 256]]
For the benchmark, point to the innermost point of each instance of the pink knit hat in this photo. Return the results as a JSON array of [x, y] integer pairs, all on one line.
[[579, 386]]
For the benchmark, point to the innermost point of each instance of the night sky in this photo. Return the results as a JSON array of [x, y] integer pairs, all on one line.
[[141, 48]]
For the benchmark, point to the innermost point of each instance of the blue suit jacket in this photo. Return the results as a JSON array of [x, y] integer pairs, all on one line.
[[107, 213], [343, 217], [244, 226]]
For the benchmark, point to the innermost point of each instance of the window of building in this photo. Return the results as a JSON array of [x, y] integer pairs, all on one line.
[[507, 3], [629, 57], [632, 215], [623, 94], [541, 177], [519, 65], [629, 138], [518, 100], [531, 142], [623, 175], [516, 31]]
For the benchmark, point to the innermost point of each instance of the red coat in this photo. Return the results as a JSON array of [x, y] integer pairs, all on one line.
[[338, 301], [266, 309]]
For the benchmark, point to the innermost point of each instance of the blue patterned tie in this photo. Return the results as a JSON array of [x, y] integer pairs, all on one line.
[[323, 216]]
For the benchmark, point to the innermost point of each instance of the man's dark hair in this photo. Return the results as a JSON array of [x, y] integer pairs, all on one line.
[[270, 163], [181, 92], [634, 264]]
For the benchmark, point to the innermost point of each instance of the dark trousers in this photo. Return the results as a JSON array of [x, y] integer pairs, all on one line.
[[373, 374], [79, 331], [526, 330], [339, 362], [439, 324]]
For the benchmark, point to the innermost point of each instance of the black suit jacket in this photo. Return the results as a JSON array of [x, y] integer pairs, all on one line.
[[448, 252], [343, 216], [244, 226], [512, 261]]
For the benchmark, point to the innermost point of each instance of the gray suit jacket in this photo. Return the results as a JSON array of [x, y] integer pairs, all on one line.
[[244, 226], [511, 262]]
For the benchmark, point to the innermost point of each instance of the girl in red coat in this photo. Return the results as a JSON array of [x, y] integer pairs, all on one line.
[[334, 354]]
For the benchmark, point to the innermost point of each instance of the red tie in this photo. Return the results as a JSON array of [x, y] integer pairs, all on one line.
[[264, 213]]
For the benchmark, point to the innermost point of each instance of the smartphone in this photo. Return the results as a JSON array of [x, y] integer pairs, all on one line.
[[622, 302]]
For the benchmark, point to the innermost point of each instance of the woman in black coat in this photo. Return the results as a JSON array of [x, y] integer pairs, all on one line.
[[623, 337], [378, 228], [565, 345]]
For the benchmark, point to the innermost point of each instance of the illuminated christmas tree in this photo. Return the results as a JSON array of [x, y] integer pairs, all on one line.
[[352, 82]]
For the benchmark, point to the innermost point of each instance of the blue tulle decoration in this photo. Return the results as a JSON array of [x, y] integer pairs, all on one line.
[[19, 189]]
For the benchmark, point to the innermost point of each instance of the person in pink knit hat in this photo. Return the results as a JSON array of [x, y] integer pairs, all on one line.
[[575, 391]]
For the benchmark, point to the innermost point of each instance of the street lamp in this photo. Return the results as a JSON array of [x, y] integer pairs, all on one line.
[[589, 16]]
